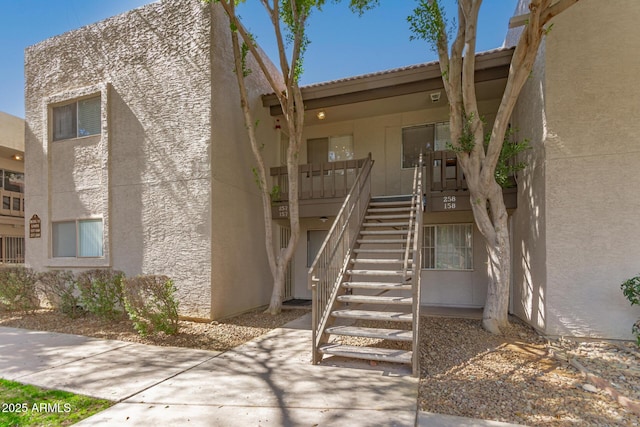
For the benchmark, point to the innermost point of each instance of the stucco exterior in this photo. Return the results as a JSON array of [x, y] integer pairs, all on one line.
[[168, 165], [578, 237]]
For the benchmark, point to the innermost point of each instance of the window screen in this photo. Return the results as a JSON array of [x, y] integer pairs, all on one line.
[[90, 238]]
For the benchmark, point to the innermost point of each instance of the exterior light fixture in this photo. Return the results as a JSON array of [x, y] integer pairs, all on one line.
[[435, 97], [324, 219], [321, 115], [17, 157]]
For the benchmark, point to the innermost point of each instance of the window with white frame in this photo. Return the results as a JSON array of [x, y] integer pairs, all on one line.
[[423, 138], [78, 239], [448, 247], [77, 119]]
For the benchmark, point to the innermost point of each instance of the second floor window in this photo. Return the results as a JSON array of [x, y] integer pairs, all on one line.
[[12, 181], [423, 138], [78, 119]]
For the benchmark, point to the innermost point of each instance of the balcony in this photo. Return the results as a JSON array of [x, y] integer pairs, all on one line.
[[322, 187], [446, 188]]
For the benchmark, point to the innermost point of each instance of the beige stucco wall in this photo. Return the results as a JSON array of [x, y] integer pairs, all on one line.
[[11, 132], [593, 158], [148, 174], [529, 220], [239, 268], [171, 173], [577, 236]]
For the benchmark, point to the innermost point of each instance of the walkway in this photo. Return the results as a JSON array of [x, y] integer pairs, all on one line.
[[266, 382]]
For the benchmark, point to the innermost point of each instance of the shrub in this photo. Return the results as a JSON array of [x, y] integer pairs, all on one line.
[[631, 290], [18, 289], [150, 303], [59, 287], [101, 292]]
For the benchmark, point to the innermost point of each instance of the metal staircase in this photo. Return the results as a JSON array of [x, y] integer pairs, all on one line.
[[376, 282]]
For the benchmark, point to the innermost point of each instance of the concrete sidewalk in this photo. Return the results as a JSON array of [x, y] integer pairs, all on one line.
[[266, 382]]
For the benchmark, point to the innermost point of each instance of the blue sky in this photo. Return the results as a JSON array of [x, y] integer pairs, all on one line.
[[342, 44]]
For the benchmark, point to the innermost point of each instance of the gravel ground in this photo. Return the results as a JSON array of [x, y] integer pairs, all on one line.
[[220, 336], [525, 379], [518, 378]]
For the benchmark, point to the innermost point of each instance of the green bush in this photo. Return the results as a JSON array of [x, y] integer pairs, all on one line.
[[631, 290], [18, 289], [59, 287], [101, 292], [150, 303]]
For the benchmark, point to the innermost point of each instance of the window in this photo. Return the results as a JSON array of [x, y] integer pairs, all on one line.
[[82, 238], [12, 181], [331, 149], [78, 119], [448, 247], [423, 138]]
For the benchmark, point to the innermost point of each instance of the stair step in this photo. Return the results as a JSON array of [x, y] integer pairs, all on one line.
[[367, 353], [385, 224], [394, 198], [378, 273], [383, 232], [384, 217], [372, 299], [380, 333], [380, 286], [391, 203], [376, 261], [381, 241], [373, 315], [381, 210], [379, 251]]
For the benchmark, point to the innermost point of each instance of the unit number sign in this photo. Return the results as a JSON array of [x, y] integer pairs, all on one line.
[[449, 202]]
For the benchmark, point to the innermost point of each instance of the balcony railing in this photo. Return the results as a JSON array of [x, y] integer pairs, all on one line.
[[318, 180], [446, 187]]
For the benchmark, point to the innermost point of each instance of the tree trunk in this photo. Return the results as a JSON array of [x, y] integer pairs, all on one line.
[[495, 315], [275, 305]]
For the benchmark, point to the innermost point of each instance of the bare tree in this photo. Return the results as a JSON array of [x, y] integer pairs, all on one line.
[[477, 159]]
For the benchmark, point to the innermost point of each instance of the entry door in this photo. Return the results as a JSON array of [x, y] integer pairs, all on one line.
[[315, 238]]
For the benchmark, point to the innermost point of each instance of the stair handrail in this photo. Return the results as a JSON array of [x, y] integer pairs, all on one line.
[[327, 270], [407, 246], [418, 206]]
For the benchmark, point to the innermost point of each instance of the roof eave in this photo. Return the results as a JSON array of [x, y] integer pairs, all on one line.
[[400, 81]]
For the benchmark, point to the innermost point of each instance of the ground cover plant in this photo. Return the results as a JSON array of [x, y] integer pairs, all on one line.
[[26, 405], [151, 305]]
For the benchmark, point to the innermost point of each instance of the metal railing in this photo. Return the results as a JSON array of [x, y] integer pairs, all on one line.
[[11, 250], [327, 271], [418, 207]]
